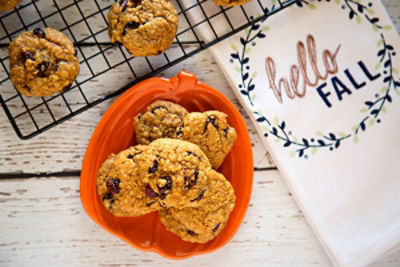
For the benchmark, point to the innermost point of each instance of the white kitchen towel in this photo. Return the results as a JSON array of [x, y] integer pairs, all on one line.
[[321, 83]]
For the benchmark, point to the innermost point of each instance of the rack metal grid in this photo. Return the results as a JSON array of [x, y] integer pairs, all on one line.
[[85, 23]]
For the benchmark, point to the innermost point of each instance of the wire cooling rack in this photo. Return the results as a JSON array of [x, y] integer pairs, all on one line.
[[106, 69]]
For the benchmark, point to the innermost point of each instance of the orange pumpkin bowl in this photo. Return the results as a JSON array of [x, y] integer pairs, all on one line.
[[115, 132]]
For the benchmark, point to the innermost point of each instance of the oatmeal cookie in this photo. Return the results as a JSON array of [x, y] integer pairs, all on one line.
[[177, 175], [119, 184], [8, 4], [159, 120], [229, 3], [144, 27], [211, 132], [203, 223], [42, 62]]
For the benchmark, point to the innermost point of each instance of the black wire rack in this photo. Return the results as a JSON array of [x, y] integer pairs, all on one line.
[[106, 69]]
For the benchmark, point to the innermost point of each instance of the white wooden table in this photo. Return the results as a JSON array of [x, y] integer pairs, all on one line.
[[42, 222]]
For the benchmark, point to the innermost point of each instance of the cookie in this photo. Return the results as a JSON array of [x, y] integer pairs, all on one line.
[[177, 175], [211, 132], [160, 119], [203, 223], [144, 27], [229, 3], [8, 4], [119, 184], [42, 62]]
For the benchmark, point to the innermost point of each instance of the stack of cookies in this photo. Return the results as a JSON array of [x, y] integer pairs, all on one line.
[[173, 176], [209, 130]]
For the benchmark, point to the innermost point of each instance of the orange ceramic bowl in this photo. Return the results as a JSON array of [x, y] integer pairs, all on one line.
[[115, 132]]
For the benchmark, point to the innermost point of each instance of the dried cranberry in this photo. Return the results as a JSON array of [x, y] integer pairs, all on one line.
[[211, 119], [42, 68], [153, 169], [191, 181], [39, 33], [107, 196], [27, 55], [164, 190], [194, 154], [113, 185], [179, 132], [200, 196], [150, 203], [226, 132], [216, 228], [190, 232], [132, 25], [131, 156], [196, 176], [150, 192], [136, 2]]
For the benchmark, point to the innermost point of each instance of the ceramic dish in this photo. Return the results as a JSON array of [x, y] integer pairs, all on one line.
[[115, 132]]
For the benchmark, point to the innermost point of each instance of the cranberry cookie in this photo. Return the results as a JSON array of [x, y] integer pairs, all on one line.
[[176, 176], [211, 132], [160, 120], [144, 27], [119, 183], [203, 223], [42, 62]]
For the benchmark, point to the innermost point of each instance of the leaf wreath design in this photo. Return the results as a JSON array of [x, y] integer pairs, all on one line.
[[374, 108], [377, 106], [247, 80], [280, 131]]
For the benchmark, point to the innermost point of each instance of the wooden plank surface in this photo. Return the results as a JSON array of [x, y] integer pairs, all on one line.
[[43, 222], [59, 230]]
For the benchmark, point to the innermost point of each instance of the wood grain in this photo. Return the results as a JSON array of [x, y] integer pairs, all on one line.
[[59, 230], [43, 223]]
